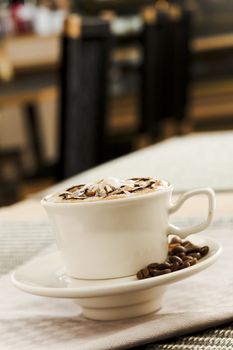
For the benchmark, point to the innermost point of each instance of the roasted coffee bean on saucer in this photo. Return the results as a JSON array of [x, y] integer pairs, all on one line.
[[180, 256], [178, 249], [143, 273], [204, 250], [175, 259]]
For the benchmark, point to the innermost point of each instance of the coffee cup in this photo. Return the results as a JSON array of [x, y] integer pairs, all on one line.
[[115, 238]]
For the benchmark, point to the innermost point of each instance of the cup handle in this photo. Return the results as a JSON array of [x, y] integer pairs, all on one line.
[[184, 232]]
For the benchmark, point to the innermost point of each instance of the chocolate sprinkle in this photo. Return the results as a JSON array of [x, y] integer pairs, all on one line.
[[112, 188]]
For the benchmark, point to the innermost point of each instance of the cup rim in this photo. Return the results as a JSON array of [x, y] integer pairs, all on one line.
[[45, 203]]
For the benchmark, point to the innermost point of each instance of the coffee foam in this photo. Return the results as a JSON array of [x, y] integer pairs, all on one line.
[[109, 188]]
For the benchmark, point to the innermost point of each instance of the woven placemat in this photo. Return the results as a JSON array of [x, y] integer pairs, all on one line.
[[217, 338], [20, 241]]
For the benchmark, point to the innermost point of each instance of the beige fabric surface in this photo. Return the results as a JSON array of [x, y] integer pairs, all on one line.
[[194, 160], [199, 302]]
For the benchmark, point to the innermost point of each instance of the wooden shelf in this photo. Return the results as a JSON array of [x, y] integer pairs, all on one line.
[[32, 51], [212, 43]]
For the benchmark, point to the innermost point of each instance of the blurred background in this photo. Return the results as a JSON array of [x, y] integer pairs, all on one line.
[[86, 81]]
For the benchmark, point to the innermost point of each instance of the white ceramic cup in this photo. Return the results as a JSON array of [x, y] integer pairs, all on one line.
[[116, 238]]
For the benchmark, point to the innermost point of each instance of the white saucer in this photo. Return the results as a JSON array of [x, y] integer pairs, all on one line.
[[106, 299]]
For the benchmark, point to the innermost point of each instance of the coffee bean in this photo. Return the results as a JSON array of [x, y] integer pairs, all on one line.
[[193, 261], [185, 264], [191, 248], [152, 266], [174, 245], [181, 255], [175, 239], [151, 270], [175, 267], [164, 266], [187, 258], [178, 250], [161, 272], [204, 250], [144, 273], [195, 255], [175, 259]]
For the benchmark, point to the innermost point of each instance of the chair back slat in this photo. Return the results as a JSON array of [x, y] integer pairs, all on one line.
[[165, 72], [84, 72]]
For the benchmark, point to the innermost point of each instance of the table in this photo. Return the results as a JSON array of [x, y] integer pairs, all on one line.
[[29, 212], [194, 160]]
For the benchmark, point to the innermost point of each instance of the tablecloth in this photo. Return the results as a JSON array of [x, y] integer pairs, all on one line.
[[32, 322]]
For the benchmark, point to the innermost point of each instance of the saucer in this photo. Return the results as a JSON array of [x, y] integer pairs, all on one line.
[[109, 299]]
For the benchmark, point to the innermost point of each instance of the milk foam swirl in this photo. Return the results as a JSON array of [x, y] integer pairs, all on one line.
[[110, 188]]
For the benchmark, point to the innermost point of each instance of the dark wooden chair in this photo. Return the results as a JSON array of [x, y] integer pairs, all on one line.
[[10, 176], [165, 70], [84, 141], [84, 67]]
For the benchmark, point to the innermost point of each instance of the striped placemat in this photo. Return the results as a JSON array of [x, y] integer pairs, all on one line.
[[20, 241], [218, 338]]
